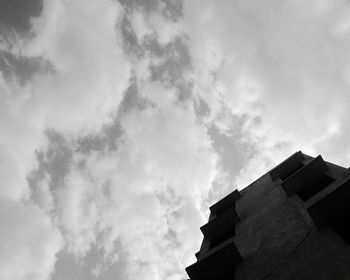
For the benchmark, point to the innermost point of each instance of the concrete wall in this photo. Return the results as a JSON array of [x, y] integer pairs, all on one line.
[[278, 240]]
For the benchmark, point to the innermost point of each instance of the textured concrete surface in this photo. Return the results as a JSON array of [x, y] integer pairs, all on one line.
[[278, 240], [277, 235]]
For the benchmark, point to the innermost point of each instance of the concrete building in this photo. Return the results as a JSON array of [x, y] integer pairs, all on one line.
[[291, 223]]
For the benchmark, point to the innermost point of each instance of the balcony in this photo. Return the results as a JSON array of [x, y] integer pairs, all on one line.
[[288, 167], [218, 264], [331, 207], [305, 177], [221, 224], [225, 203]]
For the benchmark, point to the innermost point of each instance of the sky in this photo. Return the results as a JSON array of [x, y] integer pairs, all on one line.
[[123, 121]]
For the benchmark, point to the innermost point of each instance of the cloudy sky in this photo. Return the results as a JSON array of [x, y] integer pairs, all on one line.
[[122, 121]]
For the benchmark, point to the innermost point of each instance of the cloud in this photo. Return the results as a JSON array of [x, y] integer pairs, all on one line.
[[84, 87], [28, 242], [16, 15], [146, 194], [76, 95], [281, 67], [90, 70], [138, 181], [122, 121]]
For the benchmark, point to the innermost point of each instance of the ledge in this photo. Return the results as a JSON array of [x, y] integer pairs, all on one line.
[[219, 263], [331, 204], [225, 203], [306, 176], [288, 166], [220, 224]]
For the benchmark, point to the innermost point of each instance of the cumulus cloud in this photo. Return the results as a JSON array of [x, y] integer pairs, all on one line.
[[145, 194], [279, 67], [122, 121], [76, 94], [140, 179], [28, 242]]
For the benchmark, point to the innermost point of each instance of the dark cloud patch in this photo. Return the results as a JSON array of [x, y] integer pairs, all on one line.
[[184, 90], [233, 154], [143, 5], [175, 61], [171, 237], [107, 139], [57, 158], [131, 45], [231, 150], [176, 49], [170, 200], [132, 99], [171, 9], [150, 43], [174, 57], [54, 162], [168, 72], [16, 14], [22, 68], [201, 108], [104, 140]]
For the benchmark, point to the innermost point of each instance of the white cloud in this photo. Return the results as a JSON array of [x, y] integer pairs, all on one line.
[[82, 43], [147, 194], [78, 96], [86, 85], [28, 242], [155, 22], [278, 73], [77, 212], [281, 67]]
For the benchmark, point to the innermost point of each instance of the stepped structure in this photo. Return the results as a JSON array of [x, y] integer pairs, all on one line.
[[293, 223]]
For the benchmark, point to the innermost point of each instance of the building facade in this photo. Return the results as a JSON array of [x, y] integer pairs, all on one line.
[[293, 223]]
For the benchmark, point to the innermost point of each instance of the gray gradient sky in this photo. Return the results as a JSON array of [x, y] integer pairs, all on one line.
[[122, 121]]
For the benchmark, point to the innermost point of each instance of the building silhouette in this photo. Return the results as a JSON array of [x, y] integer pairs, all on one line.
[[293, 223]]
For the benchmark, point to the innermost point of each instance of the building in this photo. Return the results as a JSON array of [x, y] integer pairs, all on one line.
[[291, 223]]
